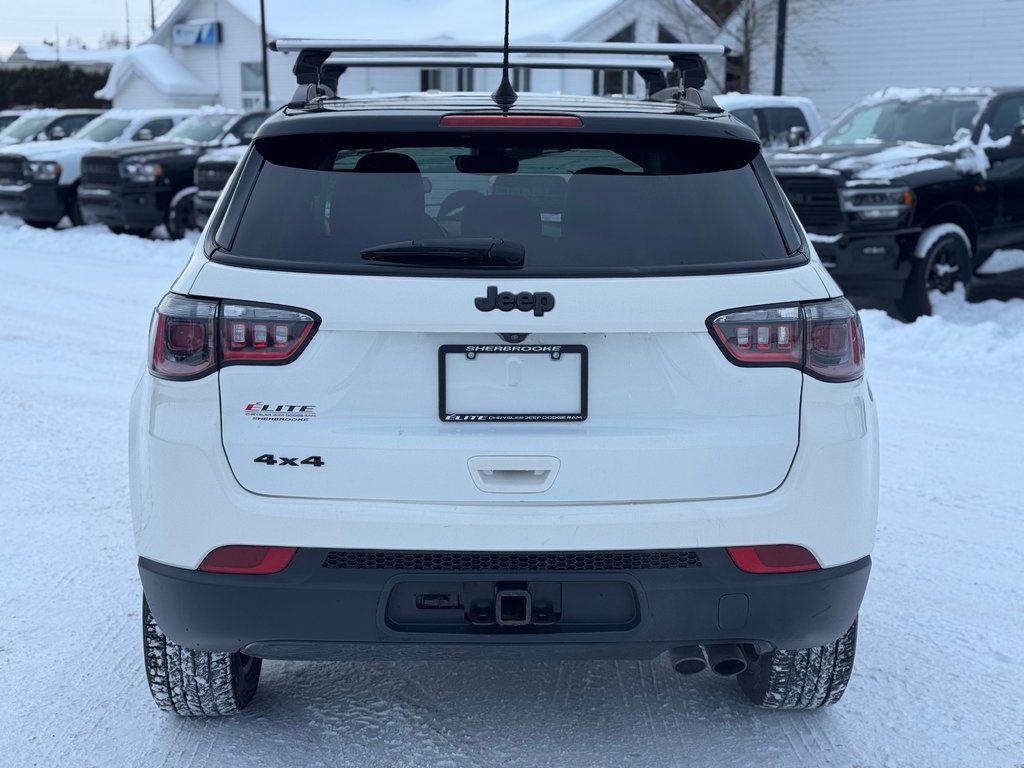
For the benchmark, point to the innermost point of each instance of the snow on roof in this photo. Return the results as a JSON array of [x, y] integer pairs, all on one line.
[[463, 20], [154, 63], [735, 100], [43, 52], [143, 114], [894, 93]]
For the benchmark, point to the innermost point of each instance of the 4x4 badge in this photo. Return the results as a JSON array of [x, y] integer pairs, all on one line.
[[540, 302]]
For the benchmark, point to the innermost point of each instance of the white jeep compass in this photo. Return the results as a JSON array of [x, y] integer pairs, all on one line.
[[451, 377]]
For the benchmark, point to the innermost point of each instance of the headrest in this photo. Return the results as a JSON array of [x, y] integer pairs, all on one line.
[[386, 162], [598, 170]]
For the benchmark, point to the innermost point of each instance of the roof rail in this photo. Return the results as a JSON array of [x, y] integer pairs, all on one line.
[[317, 70]]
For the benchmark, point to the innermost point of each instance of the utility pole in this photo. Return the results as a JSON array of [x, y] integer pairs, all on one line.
[[263, 51], [127, 27], [152, 15], [780, 47]]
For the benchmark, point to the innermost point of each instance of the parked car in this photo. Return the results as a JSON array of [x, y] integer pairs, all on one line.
[[131, 188], [47, 124], [211, 176], [606, 406], [779, 121], [910, 191], [39, 181], [8, 116]]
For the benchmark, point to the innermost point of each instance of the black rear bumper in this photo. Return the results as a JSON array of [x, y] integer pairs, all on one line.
[[316, 609]]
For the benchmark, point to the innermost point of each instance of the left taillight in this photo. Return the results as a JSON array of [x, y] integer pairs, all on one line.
[[189, 338]]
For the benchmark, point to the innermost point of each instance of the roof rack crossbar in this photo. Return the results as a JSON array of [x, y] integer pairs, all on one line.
[[479, 62], [400, 46]]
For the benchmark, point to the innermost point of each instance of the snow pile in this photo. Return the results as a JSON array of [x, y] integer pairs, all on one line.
[[959, 337]]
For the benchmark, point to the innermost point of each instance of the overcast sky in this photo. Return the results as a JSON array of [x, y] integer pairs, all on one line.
[[32, 21]]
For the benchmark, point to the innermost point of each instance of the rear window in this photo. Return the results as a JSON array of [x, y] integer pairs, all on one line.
[[570, 205]]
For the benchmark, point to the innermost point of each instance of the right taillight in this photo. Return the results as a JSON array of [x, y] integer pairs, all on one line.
[[823, 339], [190, 338]]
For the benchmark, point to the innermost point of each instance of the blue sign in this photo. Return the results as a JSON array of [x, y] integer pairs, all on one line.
[[197, 33]]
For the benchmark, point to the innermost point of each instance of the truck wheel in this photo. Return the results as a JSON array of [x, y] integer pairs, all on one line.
[[195, 683], [75, 214], [942, 260], [133, 231], [806, 678], [37, 224], [181, 215]]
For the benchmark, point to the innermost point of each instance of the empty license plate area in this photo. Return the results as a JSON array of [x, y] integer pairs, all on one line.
[[513, 382], [502, 606]]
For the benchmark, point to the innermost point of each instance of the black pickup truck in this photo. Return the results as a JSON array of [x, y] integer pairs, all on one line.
[[912, 190], [135, 187], [212, 173]]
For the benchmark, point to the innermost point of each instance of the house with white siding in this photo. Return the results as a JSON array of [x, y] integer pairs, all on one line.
[[839, 51], [209, 51]]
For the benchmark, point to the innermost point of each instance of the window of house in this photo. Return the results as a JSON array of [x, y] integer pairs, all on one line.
[[252, 84], [430, 79], [464, 79], [665, 35], [609, 82], [521, 78]]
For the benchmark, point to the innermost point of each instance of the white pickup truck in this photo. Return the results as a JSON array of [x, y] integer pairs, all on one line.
[[39, 181]]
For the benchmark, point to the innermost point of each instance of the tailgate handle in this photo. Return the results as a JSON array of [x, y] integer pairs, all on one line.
[[513, 474]]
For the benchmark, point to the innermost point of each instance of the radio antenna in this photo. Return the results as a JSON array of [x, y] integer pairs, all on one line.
[[505, 95]]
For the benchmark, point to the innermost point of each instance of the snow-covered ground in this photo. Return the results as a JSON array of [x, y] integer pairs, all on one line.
[[938, 679]]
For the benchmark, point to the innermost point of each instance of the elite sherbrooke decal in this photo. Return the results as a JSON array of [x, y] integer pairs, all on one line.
[[266, 412]]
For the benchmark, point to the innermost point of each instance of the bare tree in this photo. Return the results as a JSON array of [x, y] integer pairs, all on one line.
[[112, 40], [748, 27]]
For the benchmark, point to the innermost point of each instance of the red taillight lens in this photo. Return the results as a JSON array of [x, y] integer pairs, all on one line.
[[182, 338], [511, 121], [824, 339], [247, 559], [253, 334], [189, 338], [773, 558]]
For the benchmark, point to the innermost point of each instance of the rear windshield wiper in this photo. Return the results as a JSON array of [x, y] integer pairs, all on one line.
[[486, 252]]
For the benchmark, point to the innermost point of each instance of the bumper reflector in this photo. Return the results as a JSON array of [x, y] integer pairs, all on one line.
[[247, 559], [773, 558]]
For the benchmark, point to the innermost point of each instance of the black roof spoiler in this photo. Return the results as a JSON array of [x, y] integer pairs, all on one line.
[[661, 65]]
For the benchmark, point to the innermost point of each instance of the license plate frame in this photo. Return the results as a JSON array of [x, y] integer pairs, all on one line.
[[555, 352]]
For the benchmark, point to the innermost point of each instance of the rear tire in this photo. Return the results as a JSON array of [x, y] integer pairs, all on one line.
[[37, 224], [945, 263], [195, 683], [75, 214], [805, 678]]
